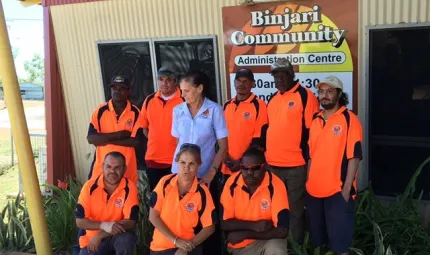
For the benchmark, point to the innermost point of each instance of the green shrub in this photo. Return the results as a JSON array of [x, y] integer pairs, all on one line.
[[60, 214], [15, 228], [144, 227]]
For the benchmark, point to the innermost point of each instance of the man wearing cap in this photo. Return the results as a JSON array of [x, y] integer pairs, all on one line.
[[290, 113], [335, 152], [156, 120], [245, 114], [114, 127]]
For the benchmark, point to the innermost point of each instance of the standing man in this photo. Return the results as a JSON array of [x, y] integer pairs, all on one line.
[[290, 113], [113, 128], [335, 152], [156, 121], [245, 115], [107, 211]]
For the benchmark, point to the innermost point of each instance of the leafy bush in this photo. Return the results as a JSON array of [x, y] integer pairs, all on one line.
[[144, 227], [15, 228], [60, 213]]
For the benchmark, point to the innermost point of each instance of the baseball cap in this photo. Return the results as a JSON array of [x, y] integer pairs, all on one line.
[[332, 81], [166, 70], [120, 80], [244, 73], [281, 65]]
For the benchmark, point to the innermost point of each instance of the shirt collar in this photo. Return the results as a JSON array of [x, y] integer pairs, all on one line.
[[339, 111], [248, 100], [127, 107], [203, 109], [101, 183], [194, 186], [294, 89], [264, 183]]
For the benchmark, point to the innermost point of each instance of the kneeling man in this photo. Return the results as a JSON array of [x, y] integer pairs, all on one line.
[[255, 210], [107, 210]]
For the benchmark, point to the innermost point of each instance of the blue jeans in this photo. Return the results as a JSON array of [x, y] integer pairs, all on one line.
[[122, 244]]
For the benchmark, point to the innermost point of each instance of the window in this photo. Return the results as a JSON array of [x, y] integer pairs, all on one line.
[[190, 55], [131, 59], [140, 60], [399, 107]]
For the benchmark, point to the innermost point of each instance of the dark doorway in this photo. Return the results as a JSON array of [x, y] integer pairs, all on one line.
[[399, 108]]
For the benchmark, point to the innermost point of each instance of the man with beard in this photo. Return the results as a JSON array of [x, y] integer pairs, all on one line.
[[245, 115], [107, 210], [255, 211], [113, 128], [290, 113], [156, 121], [335, 152]]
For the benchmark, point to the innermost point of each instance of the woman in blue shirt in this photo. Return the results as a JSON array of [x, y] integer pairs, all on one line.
[[200, 121]]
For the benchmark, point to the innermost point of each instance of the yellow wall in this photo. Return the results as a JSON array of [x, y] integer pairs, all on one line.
[[78, 27]]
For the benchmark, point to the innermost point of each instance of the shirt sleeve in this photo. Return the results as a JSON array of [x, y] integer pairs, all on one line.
[[143, 118], [175, 127], [355, 137], [157, 195], [94, 123], [137, 130], [312, 107], [219, 123], [83, 205], [227, 201], [208, 217], [131, 205], [280, 206]]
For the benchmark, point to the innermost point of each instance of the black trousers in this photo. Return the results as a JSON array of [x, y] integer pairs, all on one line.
[[155, 174]]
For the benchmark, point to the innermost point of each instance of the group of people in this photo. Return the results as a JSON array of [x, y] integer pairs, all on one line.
[[247, 173]]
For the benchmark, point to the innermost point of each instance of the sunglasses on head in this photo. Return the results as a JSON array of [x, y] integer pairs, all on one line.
[[251, 167], [190, 145]]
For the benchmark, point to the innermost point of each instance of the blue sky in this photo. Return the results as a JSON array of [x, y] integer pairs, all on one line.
[[25, 27]]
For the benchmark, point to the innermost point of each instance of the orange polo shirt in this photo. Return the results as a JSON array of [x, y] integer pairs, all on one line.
[[104, 120], [245, 119], [289, 123], [185, 216], [95, 204], [269, 202], [156, 116], [332, 143]]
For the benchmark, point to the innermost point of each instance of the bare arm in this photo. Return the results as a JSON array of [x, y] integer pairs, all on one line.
[[221, 153], [87, 224], [274, 233], [99, 139], [128, 142], [237, 225], [203, 235], [154, 218], [352, 170]]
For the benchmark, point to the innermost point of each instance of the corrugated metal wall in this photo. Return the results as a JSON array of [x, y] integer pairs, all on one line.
[[77, 28]]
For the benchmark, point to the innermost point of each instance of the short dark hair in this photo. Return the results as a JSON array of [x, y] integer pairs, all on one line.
[[191, 148], [255, 153], [344, 99], [116, 154], [198, 78]]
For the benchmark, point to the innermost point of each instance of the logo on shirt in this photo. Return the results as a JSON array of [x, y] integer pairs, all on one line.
[[190, 206], [264, 203], [337, 129], [129, 123], [206, 113], [119, 202], [291, 104], [246, 115]]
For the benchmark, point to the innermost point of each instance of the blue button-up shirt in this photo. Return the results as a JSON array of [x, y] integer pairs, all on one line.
[[205, 129]]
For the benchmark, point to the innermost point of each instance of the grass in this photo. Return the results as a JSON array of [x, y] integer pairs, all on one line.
[[5, 153], [9, 185]]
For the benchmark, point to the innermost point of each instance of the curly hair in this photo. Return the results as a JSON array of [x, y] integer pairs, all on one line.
[[344, 98]]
